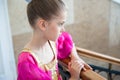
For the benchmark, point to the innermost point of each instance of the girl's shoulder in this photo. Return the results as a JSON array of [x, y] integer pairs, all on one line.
[[28, 70], [25, 56]]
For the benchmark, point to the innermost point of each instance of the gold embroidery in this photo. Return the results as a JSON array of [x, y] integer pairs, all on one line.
[[52, 68]]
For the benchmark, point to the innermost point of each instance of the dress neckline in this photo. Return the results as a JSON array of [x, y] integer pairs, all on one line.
[[46, 66]]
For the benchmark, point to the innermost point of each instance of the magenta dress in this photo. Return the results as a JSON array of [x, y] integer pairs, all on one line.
[[29, 69]]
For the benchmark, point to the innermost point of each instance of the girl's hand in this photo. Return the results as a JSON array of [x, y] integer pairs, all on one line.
[[86, 67], [75, 67], [74, 56]]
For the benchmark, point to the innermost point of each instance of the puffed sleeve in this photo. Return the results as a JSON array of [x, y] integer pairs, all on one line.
[[28, 69], [64, 45]]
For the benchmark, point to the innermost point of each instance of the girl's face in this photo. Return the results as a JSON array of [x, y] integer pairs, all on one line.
[[55, 27]]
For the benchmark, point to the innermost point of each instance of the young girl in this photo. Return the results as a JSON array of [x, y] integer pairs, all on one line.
[[38, 60]]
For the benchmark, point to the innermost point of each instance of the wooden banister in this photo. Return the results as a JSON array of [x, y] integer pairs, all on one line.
[[98, 56], [84, 75], [89, 74]]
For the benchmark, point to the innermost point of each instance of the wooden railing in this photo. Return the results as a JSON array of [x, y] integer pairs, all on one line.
[[104, 58], [98, 56], [90, 74]]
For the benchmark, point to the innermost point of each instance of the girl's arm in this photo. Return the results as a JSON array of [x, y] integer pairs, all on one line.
[[74, 56]]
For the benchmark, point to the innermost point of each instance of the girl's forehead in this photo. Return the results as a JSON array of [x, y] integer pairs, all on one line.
[[62, 16]]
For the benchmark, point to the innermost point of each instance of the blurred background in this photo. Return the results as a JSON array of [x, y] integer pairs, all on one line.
[[93, 24]]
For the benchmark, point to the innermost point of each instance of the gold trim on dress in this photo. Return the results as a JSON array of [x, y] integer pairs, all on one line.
[[49, 66]]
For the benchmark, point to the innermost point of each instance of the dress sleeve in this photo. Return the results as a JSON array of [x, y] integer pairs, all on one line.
[[64, 45], [28, 70]]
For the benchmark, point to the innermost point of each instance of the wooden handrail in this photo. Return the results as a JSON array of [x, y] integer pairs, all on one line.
[[85, 75], [98, 56], [89, 74]]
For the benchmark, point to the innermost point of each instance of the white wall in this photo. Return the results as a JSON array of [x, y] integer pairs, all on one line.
[[18, 18], [70, 13], [115, 24]]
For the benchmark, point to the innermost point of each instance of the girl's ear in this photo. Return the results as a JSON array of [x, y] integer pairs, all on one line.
[[42, 24]]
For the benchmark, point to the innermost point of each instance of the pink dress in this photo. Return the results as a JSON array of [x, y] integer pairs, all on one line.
[[29, 69]]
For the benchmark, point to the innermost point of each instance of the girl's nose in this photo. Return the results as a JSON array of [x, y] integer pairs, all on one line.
[[62, 29]]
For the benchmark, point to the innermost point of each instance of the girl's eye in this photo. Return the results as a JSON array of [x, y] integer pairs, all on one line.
[[61, 24]]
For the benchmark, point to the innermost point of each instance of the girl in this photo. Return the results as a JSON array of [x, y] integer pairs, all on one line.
[[38, 60]]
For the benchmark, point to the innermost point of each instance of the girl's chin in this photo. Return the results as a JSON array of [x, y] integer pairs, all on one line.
[[55, 39]]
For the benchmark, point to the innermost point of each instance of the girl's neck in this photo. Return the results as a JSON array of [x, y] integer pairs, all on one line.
[[40, 47], [37, 42]]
